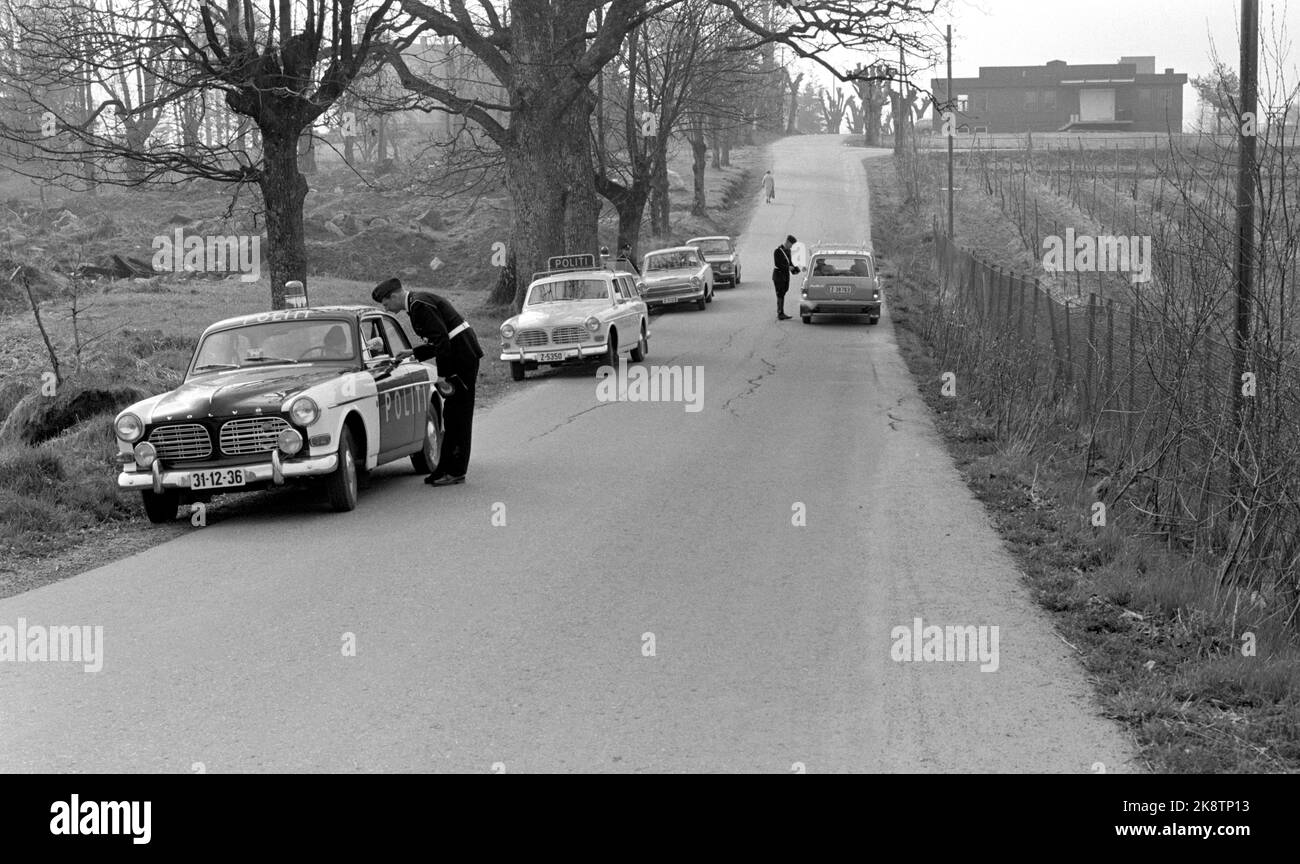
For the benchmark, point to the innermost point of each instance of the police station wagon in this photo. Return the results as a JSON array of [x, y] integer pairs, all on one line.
[[322, 393], [576, 312], [840, 280]]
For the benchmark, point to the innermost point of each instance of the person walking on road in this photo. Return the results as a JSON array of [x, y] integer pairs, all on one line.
[[769, 186], [782, 267], [454, 347]]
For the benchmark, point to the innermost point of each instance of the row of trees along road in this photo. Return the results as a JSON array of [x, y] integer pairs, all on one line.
[[86, 87]]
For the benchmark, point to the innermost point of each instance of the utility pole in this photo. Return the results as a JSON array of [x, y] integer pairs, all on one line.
[[899, 113], [1246, 169], [952, 106]]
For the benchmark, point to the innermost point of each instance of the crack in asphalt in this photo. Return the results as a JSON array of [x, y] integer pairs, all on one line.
[[753, 385], [565, 422]]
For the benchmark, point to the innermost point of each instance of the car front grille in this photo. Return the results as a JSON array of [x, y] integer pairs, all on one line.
[[561, 335], [251, 435], [181, 441], [531, 338]]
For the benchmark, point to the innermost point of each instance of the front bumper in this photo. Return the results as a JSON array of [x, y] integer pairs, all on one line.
[[840, 307], [673, 296], [275, 472], [572, 354]]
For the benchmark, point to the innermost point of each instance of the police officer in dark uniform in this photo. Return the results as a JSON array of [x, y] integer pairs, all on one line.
[[451, 342], [782, 267]]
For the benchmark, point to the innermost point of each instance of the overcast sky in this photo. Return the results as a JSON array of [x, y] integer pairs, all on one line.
[[1180, 33]]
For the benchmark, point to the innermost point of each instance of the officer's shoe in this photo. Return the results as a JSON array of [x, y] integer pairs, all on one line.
[[445, 480]]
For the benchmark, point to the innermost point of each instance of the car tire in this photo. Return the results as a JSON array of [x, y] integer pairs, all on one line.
[[611, 353], [807, 319], [160, 507], [516, 370], [341, 486], [425, 461], [642, 347], [699, 304], [708, 294], [736, 284]]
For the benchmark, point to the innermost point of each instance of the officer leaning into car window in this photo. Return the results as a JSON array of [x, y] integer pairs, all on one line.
[[782, 267], [453, 345]]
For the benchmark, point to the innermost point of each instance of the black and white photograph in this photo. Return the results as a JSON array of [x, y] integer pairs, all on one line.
[[888, 387]]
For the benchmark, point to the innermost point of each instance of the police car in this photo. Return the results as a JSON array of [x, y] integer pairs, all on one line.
[[577, 312], [324, 393], [840, 280]]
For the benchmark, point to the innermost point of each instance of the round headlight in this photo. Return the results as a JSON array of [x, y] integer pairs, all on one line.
[[507, 331], [128, 427], [304, 411], [289, 442], [695, 280], [145, 454], [592, 324]]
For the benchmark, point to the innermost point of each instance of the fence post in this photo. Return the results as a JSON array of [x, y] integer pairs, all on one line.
[[1135, 316], [1109, 386], [1090, 379], [1069, 347]]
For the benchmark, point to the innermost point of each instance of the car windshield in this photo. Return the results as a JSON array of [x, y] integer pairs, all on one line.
[[714, 247], [276, 342], [670, 261], [569, 289], [841, 265]]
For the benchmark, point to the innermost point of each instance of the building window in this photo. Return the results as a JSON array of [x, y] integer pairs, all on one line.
[[1049, 100], [1031, 101], [962, 102]]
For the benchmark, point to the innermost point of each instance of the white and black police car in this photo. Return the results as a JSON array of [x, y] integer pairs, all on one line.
[[310, 394]]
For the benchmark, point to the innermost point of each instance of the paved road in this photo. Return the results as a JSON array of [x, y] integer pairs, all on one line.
[[524, 644]]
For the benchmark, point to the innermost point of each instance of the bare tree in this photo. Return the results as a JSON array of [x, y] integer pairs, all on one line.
[[281, 65]]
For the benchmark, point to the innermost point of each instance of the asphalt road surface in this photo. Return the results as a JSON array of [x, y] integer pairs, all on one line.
[[628, 527]]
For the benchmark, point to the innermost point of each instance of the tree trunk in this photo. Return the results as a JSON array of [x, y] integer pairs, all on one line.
[[724, 149], [283, 191], [698, 151], [307, 152], [660, 206], [548, 174]]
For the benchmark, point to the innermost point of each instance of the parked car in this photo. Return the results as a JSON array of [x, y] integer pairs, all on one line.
[[722, 256], [677, 275], [324, 393], [577, 316], [840, 280]]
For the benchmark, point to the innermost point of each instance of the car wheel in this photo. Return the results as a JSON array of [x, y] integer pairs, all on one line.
[[426, 460], [642, 346], [341, 486], [708, 294], [611, 354], [699, 304], [736, 284], [161, 507], [807, 319], [516, 371]]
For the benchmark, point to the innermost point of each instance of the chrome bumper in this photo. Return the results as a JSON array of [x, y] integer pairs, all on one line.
[[274, 471], [531, 356]]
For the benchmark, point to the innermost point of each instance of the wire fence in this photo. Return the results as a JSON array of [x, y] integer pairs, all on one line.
[[1150, 387]]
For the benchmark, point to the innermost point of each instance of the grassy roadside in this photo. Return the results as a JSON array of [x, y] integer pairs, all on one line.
[[1205, 679], [60, 511]]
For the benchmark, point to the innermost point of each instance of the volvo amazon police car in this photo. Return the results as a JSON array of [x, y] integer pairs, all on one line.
[[576, 312], [840, 280], [321, 393]]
